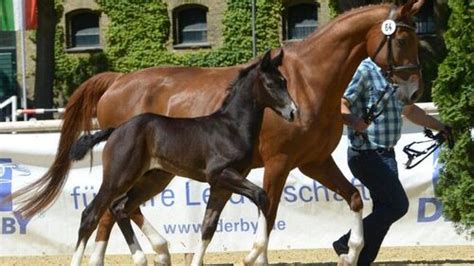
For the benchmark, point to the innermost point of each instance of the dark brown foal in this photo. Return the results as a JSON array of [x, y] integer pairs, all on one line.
[[219, 152]]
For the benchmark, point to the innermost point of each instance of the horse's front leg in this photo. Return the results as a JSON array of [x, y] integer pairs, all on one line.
[[274, 178], [329, 175]]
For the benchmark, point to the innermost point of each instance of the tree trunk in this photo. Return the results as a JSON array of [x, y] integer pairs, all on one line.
[[45, 56]]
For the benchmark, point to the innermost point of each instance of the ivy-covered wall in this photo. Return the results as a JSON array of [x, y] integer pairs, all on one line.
[[137, 40]]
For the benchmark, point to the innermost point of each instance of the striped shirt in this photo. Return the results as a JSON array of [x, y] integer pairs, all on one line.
[[366, 87]]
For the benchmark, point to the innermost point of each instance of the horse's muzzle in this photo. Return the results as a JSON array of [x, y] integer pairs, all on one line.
[[290, 113]]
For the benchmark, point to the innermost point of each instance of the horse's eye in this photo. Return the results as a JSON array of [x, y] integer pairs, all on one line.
[[401, 42]]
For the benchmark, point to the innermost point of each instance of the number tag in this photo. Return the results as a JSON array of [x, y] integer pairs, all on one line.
[[388, 27]]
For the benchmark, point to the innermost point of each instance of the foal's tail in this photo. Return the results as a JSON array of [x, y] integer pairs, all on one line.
[[80, 148], [80, 110]]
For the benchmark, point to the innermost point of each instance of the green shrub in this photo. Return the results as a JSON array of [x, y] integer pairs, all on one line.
[[453, 93]]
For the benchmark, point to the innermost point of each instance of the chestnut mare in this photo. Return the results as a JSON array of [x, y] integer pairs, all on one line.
[[318, 70], [219, 152]]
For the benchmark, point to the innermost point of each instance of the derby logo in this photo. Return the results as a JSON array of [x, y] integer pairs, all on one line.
[[5, 185]]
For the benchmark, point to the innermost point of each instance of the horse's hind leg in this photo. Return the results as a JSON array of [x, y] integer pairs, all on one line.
[[104, 229], [150, 184], [89, 220], [234, 182], [331, 177], [217, 201]]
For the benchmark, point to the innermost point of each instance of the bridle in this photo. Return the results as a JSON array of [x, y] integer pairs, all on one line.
[[392, 68], [371, 114]]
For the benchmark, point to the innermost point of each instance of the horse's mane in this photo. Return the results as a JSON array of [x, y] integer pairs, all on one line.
[[329, 27], [237, 82]]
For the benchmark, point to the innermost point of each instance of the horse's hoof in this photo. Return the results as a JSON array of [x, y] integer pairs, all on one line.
[[163, 259], [261, 261], [96, 263], [139, 258], [344, 260], [161, 264]]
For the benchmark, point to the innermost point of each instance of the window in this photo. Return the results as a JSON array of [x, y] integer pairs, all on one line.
[[83, 29], [8, 83], [301, 20], [190, 25], [425, 23]]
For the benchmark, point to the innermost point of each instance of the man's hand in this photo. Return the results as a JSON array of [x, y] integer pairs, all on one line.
[[448, 135], [351, 120], [358, 124]]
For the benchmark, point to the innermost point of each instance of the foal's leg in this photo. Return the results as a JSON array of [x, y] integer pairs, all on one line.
[[150, 184], [217, 200], [232, 181], [331, 177], [119, 174]]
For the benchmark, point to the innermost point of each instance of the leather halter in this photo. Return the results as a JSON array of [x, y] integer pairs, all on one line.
[[392, 68]]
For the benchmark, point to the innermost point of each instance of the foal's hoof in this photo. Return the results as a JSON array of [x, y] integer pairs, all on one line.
[[344, 260]]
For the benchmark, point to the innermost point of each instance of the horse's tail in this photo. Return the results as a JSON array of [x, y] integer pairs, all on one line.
[[80, 148], [80, 110]]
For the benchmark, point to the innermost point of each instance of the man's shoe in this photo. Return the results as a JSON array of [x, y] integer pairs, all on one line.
[[340, 248]]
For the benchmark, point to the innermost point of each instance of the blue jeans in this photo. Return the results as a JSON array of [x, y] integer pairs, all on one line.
[[377, 170]]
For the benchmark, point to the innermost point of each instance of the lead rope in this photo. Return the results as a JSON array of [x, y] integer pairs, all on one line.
[[438, 140], [370, 114]]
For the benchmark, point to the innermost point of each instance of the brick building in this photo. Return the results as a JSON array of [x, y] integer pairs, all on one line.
[[195, 24]]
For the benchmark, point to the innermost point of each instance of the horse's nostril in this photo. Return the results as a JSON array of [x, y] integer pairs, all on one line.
[[415, 96], [292, 115]]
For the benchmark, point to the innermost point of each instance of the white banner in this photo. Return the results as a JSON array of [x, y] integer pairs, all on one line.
[[310, 216]]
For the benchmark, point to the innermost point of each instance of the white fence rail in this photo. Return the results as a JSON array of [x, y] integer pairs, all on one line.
[[13, 102], [55, 125]]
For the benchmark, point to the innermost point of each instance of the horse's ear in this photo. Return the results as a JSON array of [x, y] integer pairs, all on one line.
[[276, 61], [411, 7], [266, 61]]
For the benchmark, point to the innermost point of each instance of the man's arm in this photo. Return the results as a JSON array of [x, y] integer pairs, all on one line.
[[351, 120], [418, 116]]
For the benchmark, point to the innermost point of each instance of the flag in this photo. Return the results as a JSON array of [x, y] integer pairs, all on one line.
[[12, 14]]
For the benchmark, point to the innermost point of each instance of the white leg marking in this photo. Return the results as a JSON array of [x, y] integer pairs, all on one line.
[[356, 241], [158, 243], [262, 259], [261, 241], [138, 256], [199, 255], [77, 257], [98, 254]]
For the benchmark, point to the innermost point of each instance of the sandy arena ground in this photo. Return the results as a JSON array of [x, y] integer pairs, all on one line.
[[441, 255]]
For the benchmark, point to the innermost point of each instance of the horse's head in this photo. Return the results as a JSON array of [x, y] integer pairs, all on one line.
[[273, 90], [393, 45]]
